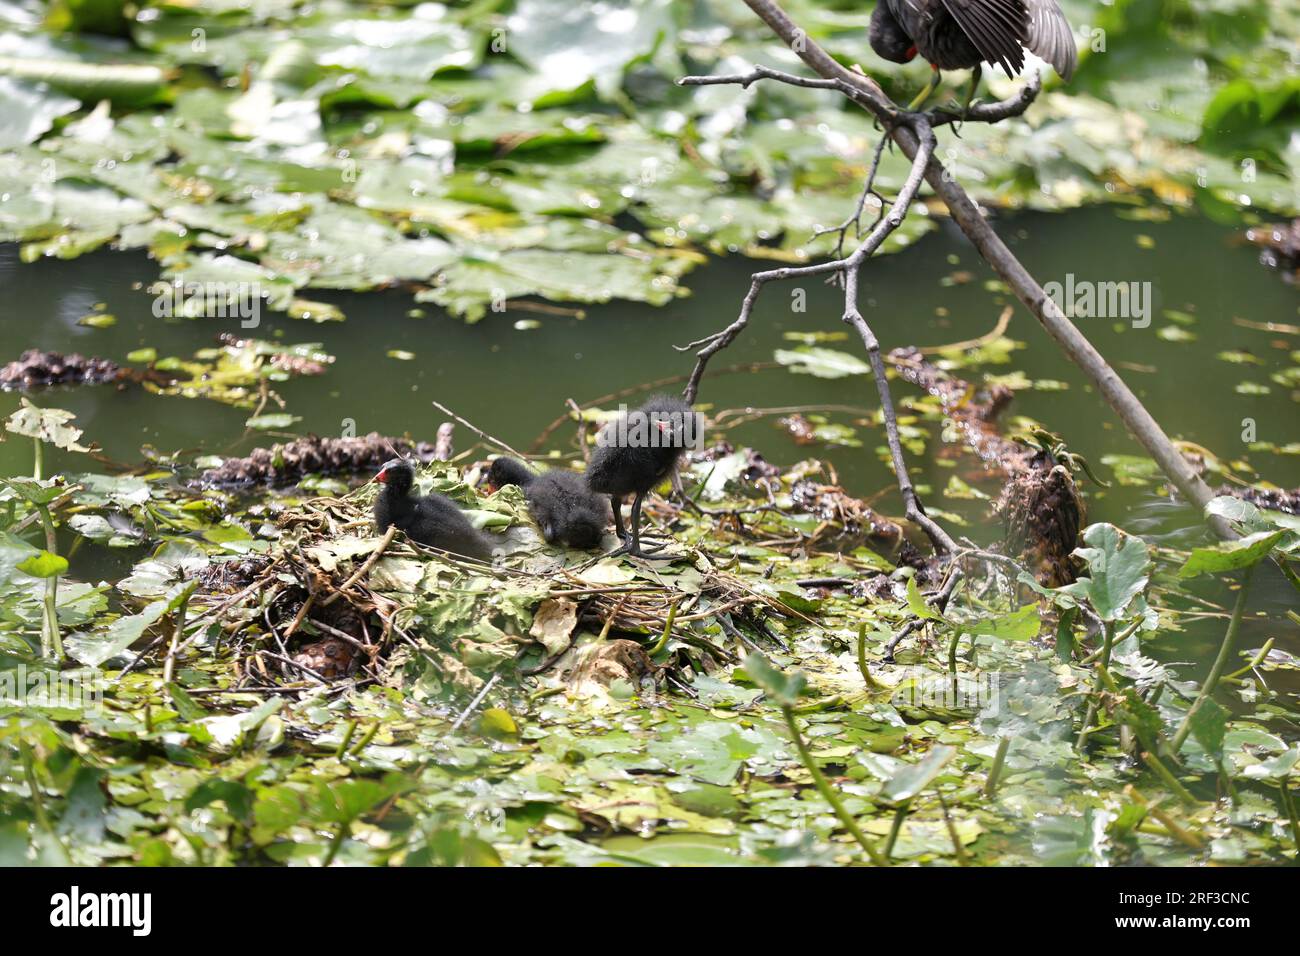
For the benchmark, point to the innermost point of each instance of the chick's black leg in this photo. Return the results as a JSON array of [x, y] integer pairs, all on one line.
[[616, 503], [635, 550]]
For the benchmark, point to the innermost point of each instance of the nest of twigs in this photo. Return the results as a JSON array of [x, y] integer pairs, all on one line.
[[300, 619]]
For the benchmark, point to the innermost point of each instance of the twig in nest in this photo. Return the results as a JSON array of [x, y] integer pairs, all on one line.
[[365, 567], [476, 430], [478, 699]]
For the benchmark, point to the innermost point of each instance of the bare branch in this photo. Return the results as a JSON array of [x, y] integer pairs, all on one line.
[[966, 214]]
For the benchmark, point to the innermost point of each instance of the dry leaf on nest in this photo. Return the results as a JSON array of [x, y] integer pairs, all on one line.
[[590, 669], [554, 622]]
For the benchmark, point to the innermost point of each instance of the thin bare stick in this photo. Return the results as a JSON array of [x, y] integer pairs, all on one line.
[[476, 430], [360, 572], [478, 699]]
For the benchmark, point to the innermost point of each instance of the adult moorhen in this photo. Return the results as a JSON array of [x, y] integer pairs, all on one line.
[[962, 34], [566, 510], [636, 453], [432, 519]]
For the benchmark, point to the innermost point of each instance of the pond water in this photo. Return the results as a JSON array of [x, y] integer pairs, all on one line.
[[512, 383]]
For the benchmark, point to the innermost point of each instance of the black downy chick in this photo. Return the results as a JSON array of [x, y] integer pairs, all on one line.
[[566, 510], [434, 519], [635, 454]]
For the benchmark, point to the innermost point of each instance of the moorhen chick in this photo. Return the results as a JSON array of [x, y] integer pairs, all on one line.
[[432, 519], [566, 510], [962, 34], [636, 453]]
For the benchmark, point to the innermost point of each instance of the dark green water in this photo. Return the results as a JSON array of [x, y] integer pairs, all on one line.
[[512, 383]]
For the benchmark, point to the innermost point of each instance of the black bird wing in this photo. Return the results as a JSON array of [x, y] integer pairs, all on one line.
[[999, 29], [1051, 38], [887, 36]]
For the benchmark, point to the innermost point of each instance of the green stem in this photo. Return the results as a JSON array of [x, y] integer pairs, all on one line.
[[348, 731], [871, 682], [1105, 648], [38, 460], [896, 828], [51, 639], [1284, 564], [1220, 662], [365, 740], [1254, 661], [38, 802], [668, 630], [1109, 643], [336, 843], [960, 851], [1098, 684], [169, 665], [828, 793], [995, 773], [1170, 781]]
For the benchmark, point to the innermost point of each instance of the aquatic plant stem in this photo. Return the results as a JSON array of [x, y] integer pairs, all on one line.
[[828, 792], [895, 828], [870, 681], [1167, 776], [1220, 662], [668, 630], [995, 772], [38, 801], [336, 843], [1098, 685], [51, 639]]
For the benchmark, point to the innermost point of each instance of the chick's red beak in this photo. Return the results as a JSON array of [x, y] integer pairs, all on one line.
[[910, 54], [382, 476]]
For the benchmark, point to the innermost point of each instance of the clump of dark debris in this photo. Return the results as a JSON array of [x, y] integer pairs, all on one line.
[[37, 369], [1274, 499], [1040, 504], [284, 464]]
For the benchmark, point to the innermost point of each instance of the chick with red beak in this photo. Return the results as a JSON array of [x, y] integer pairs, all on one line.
[[433, 519]]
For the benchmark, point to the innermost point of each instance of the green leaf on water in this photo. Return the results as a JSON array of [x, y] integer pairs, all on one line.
[[917, 604], [50, 425], [821, 362], [497, 724], [783, 689], [1209, 725], [272, 422], [1231, 555], [1118, 569], [913, 778], [44, 565]]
